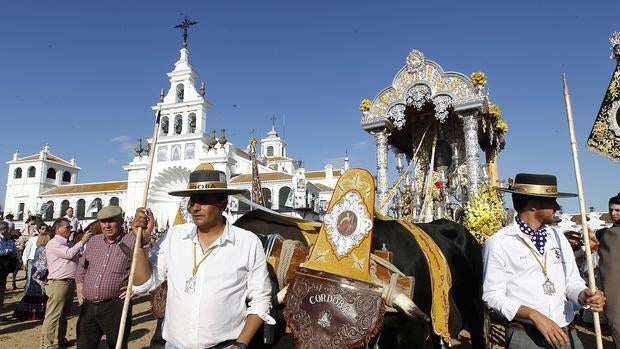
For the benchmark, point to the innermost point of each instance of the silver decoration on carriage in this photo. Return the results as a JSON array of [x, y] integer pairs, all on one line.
[[436, 123], [347, 223], [418, 95]]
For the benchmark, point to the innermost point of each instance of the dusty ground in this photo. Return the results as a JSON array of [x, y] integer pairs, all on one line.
[[16, 334]]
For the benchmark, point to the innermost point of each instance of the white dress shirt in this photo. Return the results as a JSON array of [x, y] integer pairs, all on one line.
[[75, 223], [513, 277], [30, 249], [234, 273]]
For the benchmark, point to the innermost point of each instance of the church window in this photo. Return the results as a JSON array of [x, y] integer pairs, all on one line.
[[95, 206], [20, 211], [80, 209], [51, 173], [192, 123], [270, 150], [64, 205], [66, 177], [178, 124], [180, 93], [114, 201], [164, 125], [17, 173], [48, 210], [31, 172], [285, 197], [267, 197]]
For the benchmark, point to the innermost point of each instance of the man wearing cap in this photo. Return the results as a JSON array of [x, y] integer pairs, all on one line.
[[530, 274], [102, 276], [218, 285], [62, 260], [609, 252]]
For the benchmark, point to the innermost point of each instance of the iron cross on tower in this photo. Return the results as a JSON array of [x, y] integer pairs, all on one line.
[[185, 25]]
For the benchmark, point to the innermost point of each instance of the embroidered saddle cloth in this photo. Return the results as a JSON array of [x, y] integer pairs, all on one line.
[[331, 302]]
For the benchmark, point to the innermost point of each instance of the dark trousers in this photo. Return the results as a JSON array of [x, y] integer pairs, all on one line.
[[97, 319], [526, 336]]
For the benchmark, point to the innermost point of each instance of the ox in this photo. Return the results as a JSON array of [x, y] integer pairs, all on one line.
[[463, 254]]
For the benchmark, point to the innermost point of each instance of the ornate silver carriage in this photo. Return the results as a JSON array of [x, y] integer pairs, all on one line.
[[438, 123]]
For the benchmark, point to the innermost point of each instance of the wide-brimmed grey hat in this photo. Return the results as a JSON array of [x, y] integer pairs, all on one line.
[[205, 180], [541, 185]]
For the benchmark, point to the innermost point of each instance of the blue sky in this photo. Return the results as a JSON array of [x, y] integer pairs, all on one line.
[[81, 76]]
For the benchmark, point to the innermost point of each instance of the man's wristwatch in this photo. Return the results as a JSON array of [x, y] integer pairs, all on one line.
[[240, 345]]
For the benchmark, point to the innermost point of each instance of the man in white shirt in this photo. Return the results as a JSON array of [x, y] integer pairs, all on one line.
[[530, 274], [218, 284], [75, 223]]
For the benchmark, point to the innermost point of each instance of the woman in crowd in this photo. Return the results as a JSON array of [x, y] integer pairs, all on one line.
[[32, 305]]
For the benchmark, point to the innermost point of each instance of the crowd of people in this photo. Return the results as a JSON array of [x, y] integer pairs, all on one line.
[[534, 276]]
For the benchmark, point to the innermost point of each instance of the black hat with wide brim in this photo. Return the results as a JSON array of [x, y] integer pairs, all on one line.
[[205, 180], [541, 185]]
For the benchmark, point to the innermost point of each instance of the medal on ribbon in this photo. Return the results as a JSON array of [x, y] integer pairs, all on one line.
[[548, 287], [190, 284]]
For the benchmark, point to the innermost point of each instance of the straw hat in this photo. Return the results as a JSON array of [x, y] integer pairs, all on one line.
[[541, 185], [205, 180]]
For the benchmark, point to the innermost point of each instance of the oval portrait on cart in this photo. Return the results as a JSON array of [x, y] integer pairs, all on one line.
[[346, 223]]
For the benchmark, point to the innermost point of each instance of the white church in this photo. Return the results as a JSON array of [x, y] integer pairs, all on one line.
[[46, 184]]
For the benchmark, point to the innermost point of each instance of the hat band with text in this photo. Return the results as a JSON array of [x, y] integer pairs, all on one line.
[[206, 185], [535, 189]]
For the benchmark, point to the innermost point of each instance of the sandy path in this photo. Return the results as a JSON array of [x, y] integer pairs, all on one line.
[[18, 334]]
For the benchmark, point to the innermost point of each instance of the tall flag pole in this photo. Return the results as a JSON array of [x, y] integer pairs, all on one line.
[[604, 138], [582, 208], [138, 233], [257, 191]]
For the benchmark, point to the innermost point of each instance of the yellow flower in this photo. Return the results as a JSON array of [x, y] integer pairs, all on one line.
[[484, 213], [365, 105], [478, 79], [501, 125], [494, 111]]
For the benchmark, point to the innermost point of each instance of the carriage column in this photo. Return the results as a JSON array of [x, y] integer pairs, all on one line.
[[470, 129], [381, 141]]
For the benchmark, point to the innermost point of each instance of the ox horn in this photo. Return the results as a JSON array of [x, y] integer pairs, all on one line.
[[282, 294], [405, 304]]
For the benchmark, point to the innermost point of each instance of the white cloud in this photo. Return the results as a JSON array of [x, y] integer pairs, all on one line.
[[125, 143]]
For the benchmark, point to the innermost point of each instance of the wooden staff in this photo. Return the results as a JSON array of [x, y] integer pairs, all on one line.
[[138, 243], [582, 208]]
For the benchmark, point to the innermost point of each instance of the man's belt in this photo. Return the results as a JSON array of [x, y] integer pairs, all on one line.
[[63, 280], [103, 301]]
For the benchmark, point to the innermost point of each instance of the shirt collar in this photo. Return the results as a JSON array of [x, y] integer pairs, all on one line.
[[517, 229], [526, 229]]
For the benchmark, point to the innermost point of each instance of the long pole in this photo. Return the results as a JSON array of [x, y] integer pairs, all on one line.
[[582, 208], [138, 243]]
